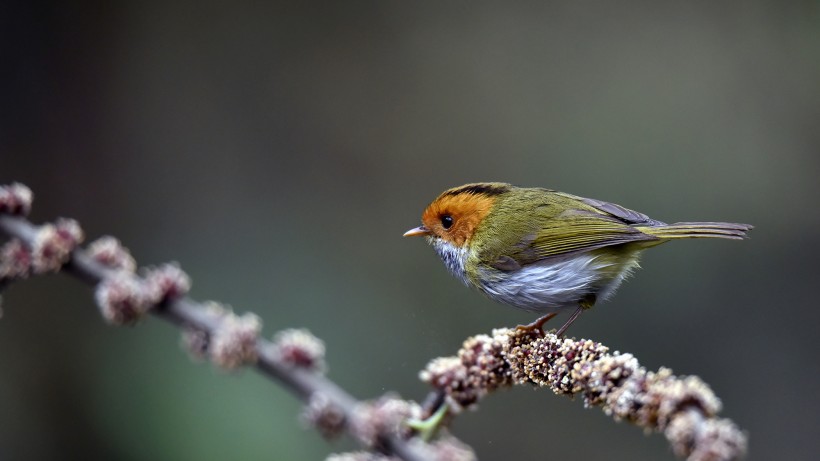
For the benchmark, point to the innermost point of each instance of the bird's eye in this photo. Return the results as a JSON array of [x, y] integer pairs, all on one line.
[[446, 221]]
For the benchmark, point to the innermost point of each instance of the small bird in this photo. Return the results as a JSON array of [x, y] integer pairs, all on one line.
[[546, 251]]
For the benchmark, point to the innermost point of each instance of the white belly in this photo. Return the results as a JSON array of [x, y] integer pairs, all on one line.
[[548, 286], [555, 284]]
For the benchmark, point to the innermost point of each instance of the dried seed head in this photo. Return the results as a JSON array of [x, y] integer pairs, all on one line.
[[478, 370], [625, 390], [704, 439]]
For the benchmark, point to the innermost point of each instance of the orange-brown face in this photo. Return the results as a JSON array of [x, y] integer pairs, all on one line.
[[456, 213]]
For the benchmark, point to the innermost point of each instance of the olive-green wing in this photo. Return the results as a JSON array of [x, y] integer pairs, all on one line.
[[581, 230], [583, 225]]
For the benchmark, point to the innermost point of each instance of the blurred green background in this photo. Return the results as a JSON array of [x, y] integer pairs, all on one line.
[[278, 150]]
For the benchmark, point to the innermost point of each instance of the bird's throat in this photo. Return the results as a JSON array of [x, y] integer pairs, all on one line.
[[454, 257]]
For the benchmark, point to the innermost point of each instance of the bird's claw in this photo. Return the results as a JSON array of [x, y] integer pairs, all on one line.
[[536, 327]]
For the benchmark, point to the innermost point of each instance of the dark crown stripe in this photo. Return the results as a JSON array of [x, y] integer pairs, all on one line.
[[480, 189]]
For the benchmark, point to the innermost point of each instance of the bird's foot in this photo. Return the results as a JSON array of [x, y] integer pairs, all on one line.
[[536, 326]]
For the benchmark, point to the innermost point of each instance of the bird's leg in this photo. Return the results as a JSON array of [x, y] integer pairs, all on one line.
[[569, 321], [585, 303], [536, 326]]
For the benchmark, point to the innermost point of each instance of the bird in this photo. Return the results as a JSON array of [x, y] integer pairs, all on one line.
[[545, 251]]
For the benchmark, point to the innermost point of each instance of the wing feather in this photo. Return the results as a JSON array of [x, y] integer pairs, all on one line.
[[578, 230], [559, 225]]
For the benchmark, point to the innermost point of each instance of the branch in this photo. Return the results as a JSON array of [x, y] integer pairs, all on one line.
[[294, 359], [682, 407]]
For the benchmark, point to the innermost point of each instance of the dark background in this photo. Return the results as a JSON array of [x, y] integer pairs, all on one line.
[[279, 150]]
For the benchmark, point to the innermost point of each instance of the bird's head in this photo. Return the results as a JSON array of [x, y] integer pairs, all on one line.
[[454, 216]]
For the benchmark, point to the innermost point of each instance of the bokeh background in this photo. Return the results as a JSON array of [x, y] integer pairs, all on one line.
[[278, 150]]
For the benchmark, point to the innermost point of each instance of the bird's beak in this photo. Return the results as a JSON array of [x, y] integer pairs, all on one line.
[[421, 230]]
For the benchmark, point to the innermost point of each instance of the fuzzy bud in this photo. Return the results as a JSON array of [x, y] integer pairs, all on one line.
[[53, 244], [324, 415], [196, 343], [234, 342], [122, 299], [384, 416], [299, 348], [166, 282], [109, 252], [15, 199], [15, 260]]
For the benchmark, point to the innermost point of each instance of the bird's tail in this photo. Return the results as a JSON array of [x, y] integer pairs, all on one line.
[[682, 230]]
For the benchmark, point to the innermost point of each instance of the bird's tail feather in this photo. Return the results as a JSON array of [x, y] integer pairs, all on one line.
[[680, 230]]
